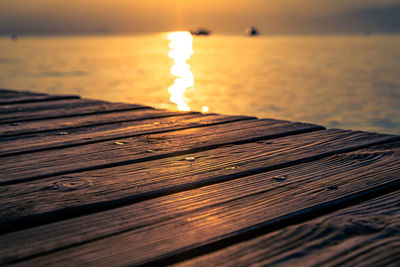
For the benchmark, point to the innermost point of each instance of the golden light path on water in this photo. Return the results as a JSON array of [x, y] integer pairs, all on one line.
[[181, 50]]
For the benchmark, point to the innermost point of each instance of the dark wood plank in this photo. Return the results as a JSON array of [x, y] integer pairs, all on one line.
[[46, 105], [8, 91], [367, 234], [12, 99], [140, 123], [78, 108], [173, 227], [5, 93], [78, 123], [128, 150], [61, 196]]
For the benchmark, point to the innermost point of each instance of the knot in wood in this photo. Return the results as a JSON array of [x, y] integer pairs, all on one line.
[[70, 184]]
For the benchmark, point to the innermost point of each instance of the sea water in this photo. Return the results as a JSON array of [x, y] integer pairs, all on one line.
[[338, 81]]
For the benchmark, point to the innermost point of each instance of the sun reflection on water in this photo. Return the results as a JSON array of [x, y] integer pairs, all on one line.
[[181, 51]]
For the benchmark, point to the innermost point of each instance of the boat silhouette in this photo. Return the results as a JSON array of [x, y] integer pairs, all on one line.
[[251, 31], [200, 31], [14, 37]]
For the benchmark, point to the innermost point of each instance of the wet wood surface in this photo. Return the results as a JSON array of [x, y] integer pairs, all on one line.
[[11, 97], [366, 234], [83, 122], [62, 108], [122, 184], [124, 151]]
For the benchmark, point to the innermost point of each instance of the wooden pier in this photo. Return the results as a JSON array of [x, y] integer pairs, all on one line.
[[87, 182]]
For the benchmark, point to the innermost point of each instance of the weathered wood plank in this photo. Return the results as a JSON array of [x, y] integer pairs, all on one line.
[[173, 227], [81, 107], [67, 195], [11, 99], [81, 122], [111, 153], [68, 137], [137, 123], [4, 93], [367, 234], [46, 105], [11, 95]]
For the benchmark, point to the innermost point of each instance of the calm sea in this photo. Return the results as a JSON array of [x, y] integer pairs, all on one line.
[[349, 82]]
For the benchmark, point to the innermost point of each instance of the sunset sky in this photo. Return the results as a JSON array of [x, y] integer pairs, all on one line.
[[275, 17]]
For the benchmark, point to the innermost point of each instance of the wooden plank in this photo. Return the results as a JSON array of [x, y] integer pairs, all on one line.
[[367, 234], [81, 122], [61, 196], [46, 105], [140, 148], [9, 91], [169, 228], [4, 93], [84, 108], [11, 99], [68, 137]]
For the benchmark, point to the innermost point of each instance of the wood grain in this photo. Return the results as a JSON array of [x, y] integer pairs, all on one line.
[[11, 99], [366, 234], [85, 182], [78, 108], [183, 225], [40, 201], [46, 105], [111, 153], [6, 93], [15, 130], [106, 132]]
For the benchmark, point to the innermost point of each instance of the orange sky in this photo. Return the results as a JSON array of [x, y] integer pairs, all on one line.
[[165, 15]]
